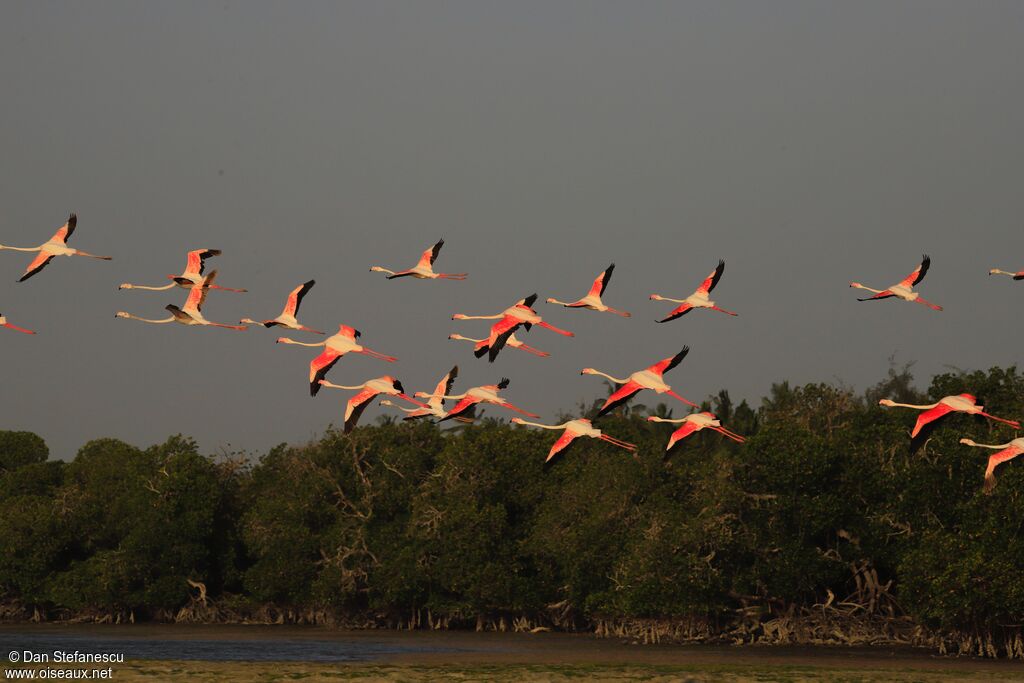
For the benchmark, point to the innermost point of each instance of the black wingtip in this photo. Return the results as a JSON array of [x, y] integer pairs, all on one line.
[[73, 219], [479, 353], [503, 383]]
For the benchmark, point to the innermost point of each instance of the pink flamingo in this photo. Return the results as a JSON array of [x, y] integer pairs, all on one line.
[[291, 309], [699, 299], [336, 346], [482, 345], [648, 378], [435, 402], [962, 403], [55, 246], [190, 313], [4, 323], [593, 298], [387, 385], [484, 394], [903, 289], [192, 276], [571, 430], [424, 270], [509, 321], [694, 423], [1009, 451]]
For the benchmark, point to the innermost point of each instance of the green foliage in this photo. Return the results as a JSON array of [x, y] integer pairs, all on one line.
[[470, 523]]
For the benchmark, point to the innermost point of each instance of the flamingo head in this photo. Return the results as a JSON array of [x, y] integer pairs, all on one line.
[[121, 314], [588, 371], [656, 297], [376, 269], [125, 285], [886, 402], [857, 285], [421, 394], [517, 420], [994, 271], [459, 316]]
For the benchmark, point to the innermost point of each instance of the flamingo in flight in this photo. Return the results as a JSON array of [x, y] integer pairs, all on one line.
[[509, 321], [699, 299], [961, 403], [55, 246], [593, 298], [904, 288], [336, 346], [484, 394], [482, 345], [1008, 451], [190, 313], [192, 276], [424, 269], [4, 323], [572, 430], [367, 390], [291, 309], [648, 378], [435, 401], [694, 423], [1019, 275]]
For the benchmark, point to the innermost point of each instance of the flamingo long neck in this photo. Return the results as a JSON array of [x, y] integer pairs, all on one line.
[[285, 340], [666, 419], [675, 301], [614, 379], [481, 317], [860, 286], [149, 320], [469, 339], [3, 246], [562, 303], [380, 269], [911, 405], [535, 424], [996, 271], [993, 447], [152, 289]]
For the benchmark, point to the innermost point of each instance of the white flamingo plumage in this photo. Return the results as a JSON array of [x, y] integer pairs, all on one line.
[[1007, 451], [424, 269], [287, 319], [482, 345], [336, 346], [487, 393], [55, 246], [355, 406], [904, 288], [692, 424], [648, 378], [572, 430], [195, 264], [509, 320], [191, 312], [699, 299], [592, 300]]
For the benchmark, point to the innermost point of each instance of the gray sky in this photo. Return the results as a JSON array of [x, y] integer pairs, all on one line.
[[806, 143]]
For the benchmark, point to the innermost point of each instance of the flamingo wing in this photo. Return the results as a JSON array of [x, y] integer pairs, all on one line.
[[318, 368], [997, 459], [601, 283], [680, 434], [500, 333], [884, 294], [929, 416], [619, 396], [349, 332], [197, 260], [63, 233], [355, 407], [38, 263], [197, 295], [430, 255], [560, 445], [444, 387], [663, 366], [677, 312], [919, 272], [295, 298], [712, 279], [464, 405]]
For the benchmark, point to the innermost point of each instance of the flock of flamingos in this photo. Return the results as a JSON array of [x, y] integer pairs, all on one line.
[[502, 334]]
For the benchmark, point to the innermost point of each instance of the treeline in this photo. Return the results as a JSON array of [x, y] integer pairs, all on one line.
[[822, 523]]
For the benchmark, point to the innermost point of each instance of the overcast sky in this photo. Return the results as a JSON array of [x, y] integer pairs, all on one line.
[[806, 143]]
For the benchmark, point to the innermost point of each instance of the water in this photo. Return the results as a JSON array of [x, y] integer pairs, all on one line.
[[255, 646]]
